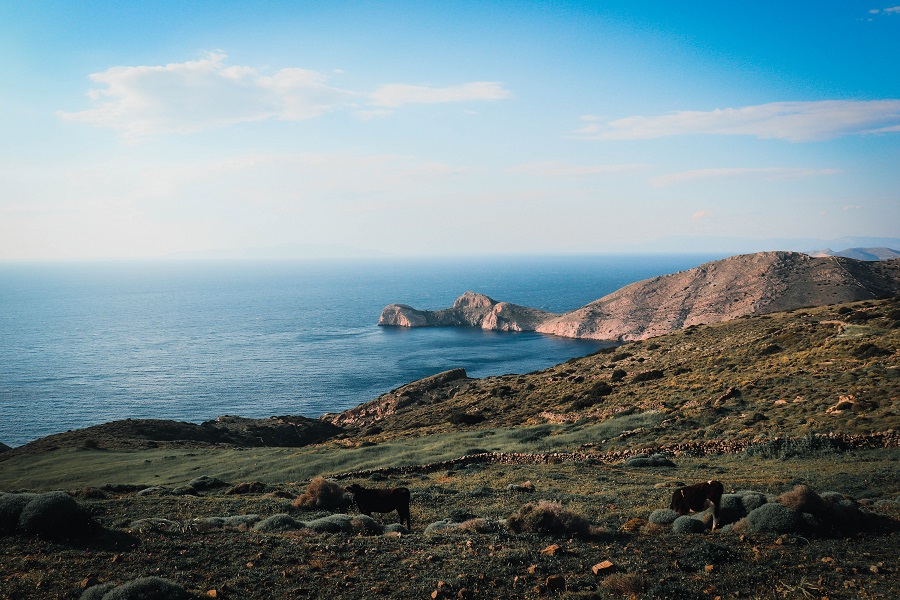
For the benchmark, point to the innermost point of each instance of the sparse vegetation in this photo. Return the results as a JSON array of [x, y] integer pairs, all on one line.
[[762, 440]]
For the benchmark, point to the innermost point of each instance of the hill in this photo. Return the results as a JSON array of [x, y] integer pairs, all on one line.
[[750, 284], [860, 253]]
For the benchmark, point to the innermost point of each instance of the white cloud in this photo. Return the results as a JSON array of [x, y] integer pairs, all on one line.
[[207, 93], [769, 174], [701, 214], [396, 94], [201, 94], [892, 10], [555, 169], [793, 121]]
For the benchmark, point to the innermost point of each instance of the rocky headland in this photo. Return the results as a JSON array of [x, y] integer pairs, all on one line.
[[744, 285]]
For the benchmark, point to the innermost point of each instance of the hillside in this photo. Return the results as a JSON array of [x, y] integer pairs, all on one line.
[[750, 284], [828, 370], [519, 485]]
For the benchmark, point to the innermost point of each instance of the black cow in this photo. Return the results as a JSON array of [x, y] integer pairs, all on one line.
[[695, 498], [382, 501]]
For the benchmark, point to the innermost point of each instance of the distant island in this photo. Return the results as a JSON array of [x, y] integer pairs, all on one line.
[[743, 285]]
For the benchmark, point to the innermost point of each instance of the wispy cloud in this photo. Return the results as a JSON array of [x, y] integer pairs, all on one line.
[[206, 93], [793, 121], [701, 214], [396, 94], [555, 169], [769, 174]]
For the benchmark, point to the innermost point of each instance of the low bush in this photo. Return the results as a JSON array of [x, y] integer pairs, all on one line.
[[54, 515], [278, 523], [145, 588], [324, 494], [663, 516], [688, 524], [803, 499], [648, 376], [630, 584], [548, 518], [205, 483], [11, 506], [775, 518]]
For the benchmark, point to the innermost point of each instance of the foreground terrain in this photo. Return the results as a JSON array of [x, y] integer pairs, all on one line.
[[763, 403]]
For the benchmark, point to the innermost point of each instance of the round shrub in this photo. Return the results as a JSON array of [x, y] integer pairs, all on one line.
[[803, 499], [278, 523], [205, 482], [96, 592], [11, 506], [775, 518], [731, 509], [548, 518], [147, 588], [324, 494], [751, 500], [688, 524], [441, 525], [663, 516], [53, 515]]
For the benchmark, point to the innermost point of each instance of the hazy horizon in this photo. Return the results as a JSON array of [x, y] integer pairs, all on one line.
[[157, 129]]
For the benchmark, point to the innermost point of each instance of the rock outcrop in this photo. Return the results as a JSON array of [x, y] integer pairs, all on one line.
[[470, 309], [749, 284]]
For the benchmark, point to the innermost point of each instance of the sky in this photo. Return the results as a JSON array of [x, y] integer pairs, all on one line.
[[142, 129]]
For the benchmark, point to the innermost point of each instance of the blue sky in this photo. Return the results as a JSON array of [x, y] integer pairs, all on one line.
[[143, 129]]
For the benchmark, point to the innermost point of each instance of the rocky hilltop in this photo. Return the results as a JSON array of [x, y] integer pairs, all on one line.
[[744, 285]]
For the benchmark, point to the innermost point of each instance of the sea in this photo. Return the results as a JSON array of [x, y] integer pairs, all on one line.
[[83, 343]]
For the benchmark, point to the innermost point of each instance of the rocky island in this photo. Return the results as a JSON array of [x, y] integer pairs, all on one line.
[[744, 285]]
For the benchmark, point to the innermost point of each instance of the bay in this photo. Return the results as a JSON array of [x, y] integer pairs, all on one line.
[[84, 343]]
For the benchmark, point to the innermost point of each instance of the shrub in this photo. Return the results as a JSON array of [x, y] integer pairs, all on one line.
[[688, 524], [600, 389], [548, 518], [869, 350], [11, 506], [775, 518], [96, 592], [804, 500], [618, 375], [648, 375], [731, 509], [654, 460], [205, 482], [321, 493], [459, 417], [625, 583], [147, 588], [663, 516], [751, 500], [53, 515], [278, 523], [340, 523], [441, 525]]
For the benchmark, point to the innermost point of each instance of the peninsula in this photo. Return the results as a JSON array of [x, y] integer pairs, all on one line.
[[743, 285]]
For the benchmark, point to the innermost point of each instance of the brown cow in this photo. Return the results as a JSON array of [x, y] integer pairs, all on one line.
[[382, 501], [695, 498]]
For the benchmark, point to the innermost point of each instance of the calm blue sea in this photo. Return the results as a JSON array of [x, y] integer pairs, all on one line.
[[86, 343]]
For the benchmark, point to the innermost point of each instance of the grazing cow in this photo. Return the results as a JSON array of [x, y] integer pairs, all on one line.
[[382, 501], [695, 498]]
